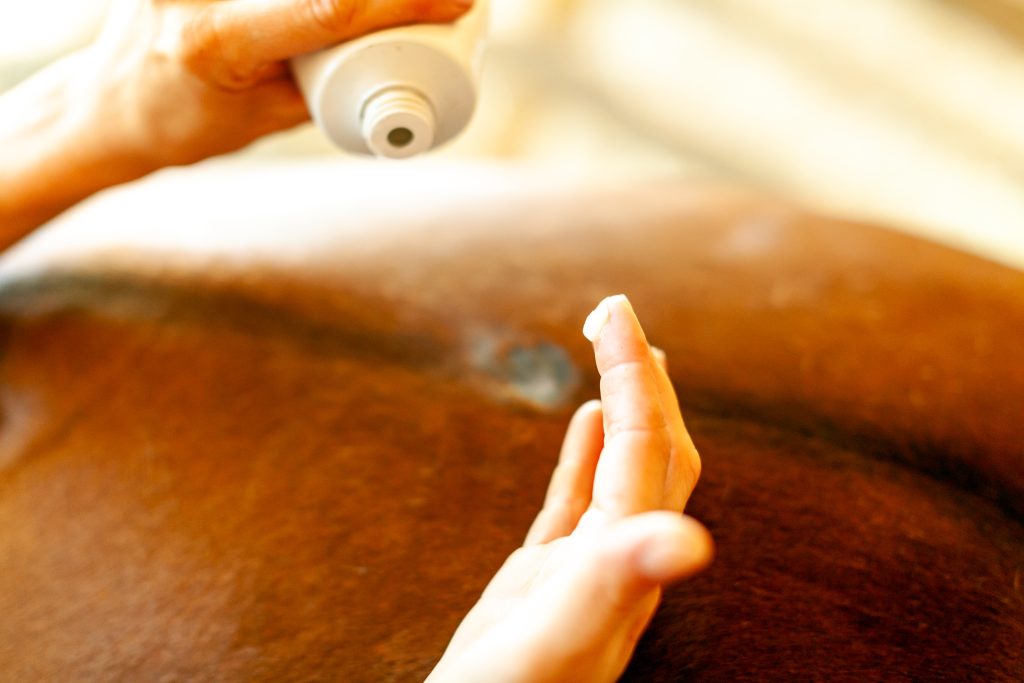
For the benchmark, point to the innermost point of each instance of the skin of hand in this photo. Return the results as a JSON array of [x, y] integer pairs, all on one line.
[[169, 82], [190, 79], [572, 603]]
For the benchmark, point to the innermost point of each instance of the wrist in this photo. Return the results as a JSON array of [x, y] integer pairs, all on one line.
[[96, 133], [61, 144]]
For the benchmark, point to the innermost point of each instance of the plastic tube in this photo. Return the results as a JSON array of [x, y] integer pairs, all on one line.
[[399, 92]]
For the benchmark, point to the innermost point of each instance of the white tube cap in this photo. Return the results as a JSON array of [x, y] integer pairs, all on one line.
[[398, 123]]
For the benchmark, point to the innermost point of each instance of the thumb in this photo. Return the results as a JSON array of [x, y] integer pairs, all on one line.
[[620, 568], [643, 551], [605, 599]]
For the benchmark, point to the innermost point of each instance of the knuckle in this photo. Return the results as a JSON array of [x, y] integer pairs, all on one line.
[[204, 51], [422, 8], [336, 17], [695, 467], [648, 428], [628, 375], [627, 363], [691, 457], [195, 45]]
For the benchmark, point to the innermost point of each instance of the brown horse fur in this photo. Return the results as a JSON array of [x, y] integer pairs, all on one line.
[[249, 464]]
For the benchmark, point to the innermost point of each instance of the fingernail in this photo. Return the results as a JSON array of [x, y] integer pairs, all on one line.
[[596, 321], [660, 357], [599, 317]]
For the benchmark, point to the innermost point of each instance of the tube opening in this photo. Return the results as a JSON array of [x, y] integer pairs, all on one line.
[[398, 123], [401, 137]]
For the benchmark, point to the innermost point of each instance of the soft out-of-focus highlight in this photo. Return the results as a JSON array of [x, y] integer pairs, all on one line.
[[909, 112]]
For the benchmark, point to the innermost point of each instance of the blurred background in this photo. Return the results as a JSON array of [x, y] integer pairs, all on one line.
[[908, 112]]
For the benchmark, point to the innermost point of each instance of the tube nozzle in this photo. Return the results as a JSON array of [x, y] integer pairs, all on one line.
[[398, 123]]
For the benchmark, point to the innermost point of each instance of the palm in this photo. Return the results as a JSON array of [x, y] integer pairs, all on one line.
[[572, 602]]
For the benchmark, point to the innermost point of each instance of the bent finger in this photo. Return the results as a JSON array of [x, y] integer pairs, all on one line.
[[609, 592], [572, 483], [237, 41], [684, 464]]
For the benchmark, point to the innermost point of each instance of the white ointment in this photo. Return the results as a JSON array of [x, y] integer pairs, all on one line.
[[399, 92], [596, 321]]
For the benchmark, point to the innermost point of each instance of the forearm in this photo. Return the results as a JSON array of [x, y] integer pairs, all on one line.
[[170, 82], [54, 152]]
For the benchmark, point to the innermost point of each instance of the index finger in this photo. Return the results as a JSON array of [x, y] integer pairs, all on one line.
[[631, 472], [248, 35]]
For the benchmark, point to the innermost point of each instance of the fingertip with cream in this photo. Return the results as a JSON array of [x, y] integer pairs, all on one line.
[[600, 316]]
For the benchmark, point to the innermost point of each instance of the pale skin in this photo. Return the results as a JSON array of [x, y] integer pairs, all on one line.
[[571, 604], [171, 82]]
